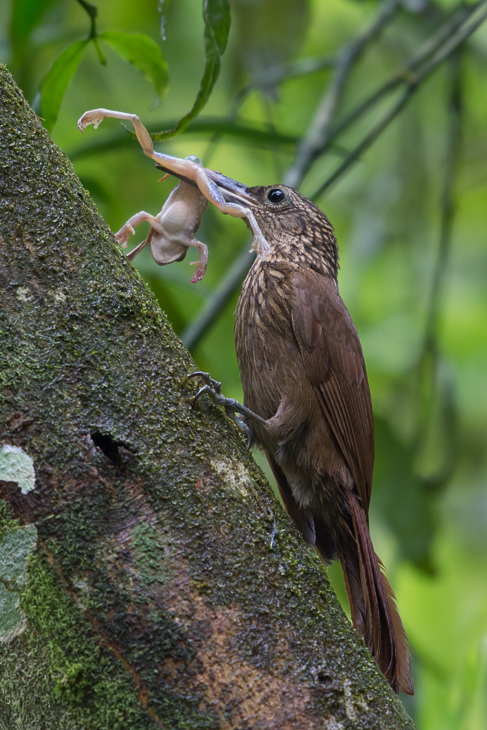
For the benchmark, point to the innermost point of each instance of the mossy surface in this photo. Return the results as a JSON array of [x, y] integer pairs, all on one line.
[[153, 597]]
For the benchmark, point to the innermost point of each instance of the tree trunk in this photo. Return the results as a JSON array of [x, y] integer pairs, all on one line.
[[148, 576]]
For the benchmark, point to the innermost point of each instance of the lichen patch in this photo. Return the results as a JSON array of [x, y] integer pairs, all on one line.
[[58, 295], [17, 466], [24, 294], [15, 547], [234, 475]]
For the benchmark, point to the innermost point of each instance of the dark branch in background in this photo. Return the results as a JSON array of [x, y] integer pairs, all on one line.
[[232, 279], [292, 70], [318, 131], [422, 54], [222, 127], [429, 361], [413, 83], [447, 208]]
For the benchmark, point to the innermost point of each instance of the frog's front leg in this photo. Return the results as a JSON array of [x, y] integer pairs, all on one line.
[[180, 168], [214, 192], [123, 234]]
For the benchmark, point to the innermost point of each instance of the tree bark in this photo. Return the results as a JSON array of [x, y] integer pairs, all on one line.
[[148, 576]]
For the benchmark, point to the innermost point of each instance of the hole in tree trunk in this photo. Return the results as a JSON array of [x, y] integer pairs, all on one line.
[[109, 446]]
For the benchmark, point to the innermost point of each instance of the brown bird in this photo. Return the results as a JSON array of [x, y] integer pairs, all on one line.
[[303, 373], [307, 403]]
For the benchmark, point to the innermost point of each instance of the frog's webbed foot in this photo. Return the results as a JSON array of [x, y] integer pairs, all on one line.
[[201, 265], [199, 271], [123, 234], [213, 388], [94, 116]]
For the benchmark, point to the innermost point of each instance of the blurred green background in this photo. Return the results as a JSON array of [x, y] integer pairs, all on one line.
[[411, 220]]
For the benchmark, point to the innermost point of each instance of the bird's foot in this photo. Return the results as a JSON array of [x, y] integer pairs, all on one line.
[[213, 388]]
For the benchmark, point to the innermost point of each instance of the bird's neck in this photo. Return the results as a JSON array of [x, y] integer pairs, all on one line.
[[294, 254]]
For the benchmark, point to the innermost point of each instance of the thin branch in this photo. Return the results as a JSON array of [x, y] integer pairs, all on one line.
[[447, 210], [232, 279], [318, 133], [413, 84], [293, 69], [425, 51], [311, 65], [92, 12]]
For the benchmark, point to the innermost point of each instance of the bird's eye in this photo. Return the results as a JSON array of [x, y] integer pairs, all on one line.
[[276, 195]]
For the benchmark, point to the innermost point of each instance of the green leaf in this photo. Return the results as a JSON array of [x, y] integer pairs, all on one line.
[[57, 81], [216, 14], [143, 53]]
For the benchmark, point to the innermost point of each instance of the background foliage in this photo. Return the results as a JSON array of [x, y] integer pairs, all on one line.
[[296, 101]]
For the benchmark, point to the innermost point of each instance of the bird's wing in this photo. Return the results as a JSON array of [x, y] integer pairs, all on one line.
[[332, 356]]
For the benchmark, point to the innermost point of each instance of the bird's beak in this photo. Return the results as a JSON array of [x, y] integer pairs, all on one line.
[[232, 190]]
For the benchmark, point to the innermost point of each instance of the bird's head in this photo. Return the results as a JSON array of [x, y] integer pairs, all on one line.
[[295, 228]]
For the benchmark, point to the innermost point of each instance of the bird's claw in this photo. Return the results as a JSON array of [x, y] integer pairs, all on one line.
[[231, 405], [210, 383]]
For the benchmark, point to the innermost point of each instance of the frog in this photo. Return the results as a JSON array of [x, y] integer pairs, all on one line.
[[173, 229]]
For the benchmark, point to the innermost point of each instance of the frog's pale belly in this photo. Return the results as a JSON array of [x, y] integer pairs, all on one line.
[[167, 251], [182, 212], [178, 222]]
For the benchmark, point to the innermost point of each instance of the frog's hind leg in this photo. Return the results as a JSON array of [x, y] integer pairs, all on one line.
[[132, 254], [202, 262]]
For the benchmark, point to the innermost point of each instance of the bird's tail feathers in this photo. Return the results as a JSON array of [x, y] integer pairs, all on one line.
[[372, 600], [373, 603]]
